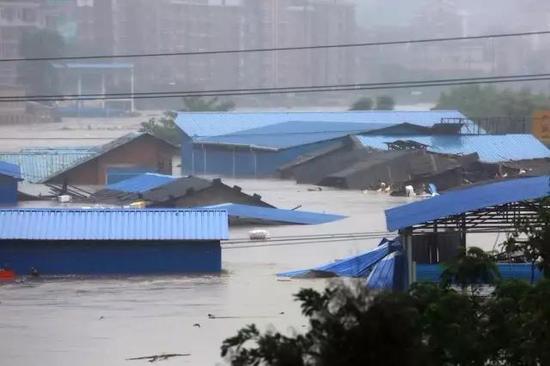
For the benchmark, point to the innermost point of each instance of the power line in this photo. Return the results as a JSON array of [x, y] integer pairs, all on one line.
[[286, 89], [274, 49], [283, 90]]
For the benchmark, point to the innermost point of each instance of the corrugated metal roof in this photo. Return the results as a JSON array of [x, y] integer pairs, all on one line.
[[113, 224], [38, 165], [141, 183], [204, 124], [467, 200], [355, 266], [382, 275], [276, 215], [288, 134], [10, 170], [490, 148]]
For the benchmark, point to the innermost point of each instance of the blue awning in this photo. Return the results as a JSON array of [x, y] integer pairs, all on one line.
[[276, 215], [467, 200]]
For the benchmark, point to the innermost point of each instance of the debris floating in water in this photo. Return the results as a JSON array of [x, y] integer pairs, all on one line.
[[162, 357]]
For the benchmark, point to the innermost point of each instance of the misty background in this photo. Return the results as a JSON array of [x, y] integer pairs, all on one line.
[[38, 28]]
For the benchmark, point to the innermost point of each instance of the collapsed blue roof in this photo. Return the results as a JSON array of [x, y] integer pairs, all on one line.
[[383, 275], [467, 200], [10, 170], [205, 124], [288, 134], [275, 214], [355, 266], [113, 224], [490, 148], [141, 183]]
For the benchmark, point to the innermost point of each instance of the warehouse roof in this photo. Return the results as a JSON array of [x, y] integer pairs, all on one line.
[[113, 224], [37, 165], [10, 170], [467, 200], [205, 124], [98, 151], [490, 148], [288, 134], [275, 215]]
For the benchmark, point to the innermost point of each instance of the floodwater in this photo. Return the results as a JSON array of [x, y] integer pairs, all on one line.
[[104, 321]]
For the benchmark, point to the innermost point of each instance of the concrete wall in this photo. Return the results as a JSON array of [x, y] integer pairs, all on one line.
[[144, 152], [110, 257]]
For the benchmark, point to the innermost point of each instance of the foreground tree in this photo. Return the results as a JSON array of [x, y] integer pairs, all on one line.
[[531, 239], [430, 325], [471, 268]]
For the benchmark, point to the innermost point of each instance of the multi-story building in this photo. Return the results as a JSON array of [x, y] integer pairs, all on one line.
[[16, 17]]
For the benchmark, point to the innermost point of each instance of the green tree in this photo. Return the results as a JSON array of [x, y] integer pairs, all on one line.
[[362, 104], [479, 102], [39, 77], [164, 128], [197, 104], [385, 103], [471, 268], [531, 238]]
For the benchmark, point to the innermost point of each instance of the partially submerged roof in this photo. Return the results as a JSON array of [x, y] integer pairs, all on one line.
[[467, 200], [39, 164], [106, 148], [354, 266], [275, 215], [490, 148], [141, 183], [113, 224], [10, 170], [205, 124]]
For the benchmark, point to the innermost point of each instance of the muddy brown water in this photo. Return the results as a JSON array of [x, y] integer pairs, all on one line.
[[104, 321]]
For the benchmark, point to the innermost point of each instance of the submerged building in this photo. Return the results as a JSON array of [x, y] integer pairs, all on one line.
[[257, 144], [10, 175], [112, 241]]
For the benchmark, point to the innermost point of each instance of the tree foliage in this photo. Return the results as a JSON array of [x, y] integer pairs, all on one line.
[[164, 128], [197, 104], [531, 238], [477, 101], [471, 268], [362, 104], [385, 103], [39, 78], [429, 325]]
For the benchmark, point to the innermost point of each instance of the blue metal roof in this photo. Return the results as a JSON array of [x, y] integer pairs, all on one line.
[[355, 266], [467, 200], [276, 215], [141, 183], [508, 271], [383, 274], [204, 124], [490, 148], [113, 224], [288, 134], [38, 165], [10, 170]]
